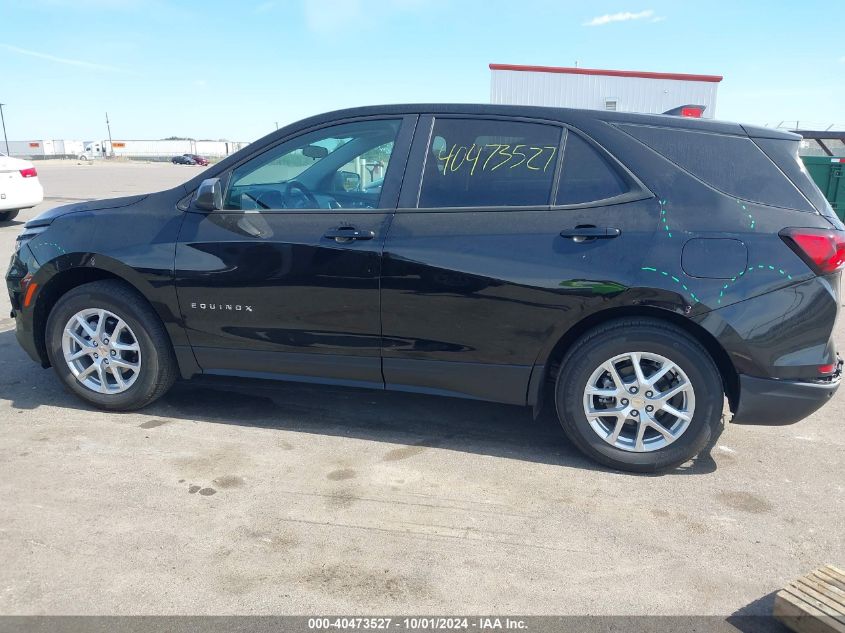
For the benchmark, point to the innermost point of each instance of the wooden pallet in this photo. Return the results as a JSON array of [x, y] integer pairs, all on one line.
[[814, 603]]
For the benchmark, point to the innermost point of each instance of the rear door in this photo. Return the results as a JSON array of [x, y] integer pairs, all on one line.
[[489, 260], [284, 280]]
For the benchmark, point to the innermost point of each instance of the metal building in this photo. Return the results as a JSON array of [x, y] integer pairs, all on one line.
[[594, 89]]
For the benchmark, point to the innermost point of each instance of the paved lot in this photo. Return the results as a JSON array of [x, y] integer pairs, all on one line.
[[282, 498]]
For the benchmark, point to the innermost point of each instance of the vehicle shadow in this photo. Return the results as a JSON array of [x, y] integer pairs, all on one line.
[[398, 418]]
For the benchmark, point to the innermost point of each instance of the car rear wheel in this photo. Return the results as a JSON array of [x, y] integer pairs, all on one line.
[[108, 346], [639, 395], [8, 216]]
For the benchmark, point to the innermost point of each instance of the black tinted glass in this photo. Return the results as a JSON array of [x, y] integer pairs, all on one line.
[[586, 175], [475, 163], [732, 164]]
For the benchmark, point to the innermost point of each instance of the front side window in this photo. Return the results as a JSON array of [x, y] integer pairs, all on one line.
[[340, 167], [489, 163]]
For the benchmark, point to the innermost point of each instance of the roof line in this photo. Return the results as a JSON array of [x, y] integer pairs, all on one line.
[[609, 73]]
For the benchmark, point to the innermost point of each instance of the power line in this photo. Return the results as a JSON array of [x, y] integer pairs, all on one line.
[[3, 119]]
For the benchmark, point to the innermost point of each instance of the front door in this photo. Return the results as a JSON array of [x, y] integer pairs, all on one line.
[[284, 281]]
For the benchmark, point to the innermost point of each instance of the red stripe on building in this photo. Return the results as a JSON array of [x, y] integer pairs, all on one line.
[[607, 73]]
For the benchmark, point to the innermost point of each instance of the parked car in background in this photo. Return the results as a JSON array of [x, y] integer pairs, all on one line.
[[19, 187], [636, 270], [199, 160], [183, 159]]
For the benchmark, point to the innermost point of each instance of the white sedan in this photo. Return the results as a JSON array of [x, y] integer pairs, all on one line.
[[19, 187]]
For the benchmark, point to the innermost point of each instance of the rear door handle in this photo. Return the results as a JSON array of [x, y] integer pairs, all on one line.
[[584, 233], [345, 234]]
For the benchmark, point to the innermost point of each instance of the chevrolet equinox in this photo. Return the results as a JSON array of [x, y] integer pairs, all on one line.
[[636, 269]]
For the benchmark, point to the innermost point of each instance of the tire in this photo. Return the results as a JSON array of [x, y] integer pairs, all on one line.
[[649, 340], [156, 363], [8, 216]]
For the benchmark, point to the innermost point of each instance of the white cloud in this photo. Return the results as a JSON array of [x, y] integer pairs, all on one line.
[[622, 16], [59, 60]]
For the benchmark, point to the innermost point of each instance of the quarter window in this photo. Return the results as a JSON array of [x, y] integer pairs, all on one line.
[[343, 166], [734, 165], [586, 176], [479, 163]]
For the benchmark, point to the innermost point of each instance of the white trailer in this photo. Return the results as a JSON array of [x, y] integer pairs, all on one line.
[[68, 147], [155, 149], [218, 149], [595, 89], [134, 148], [29, 149]]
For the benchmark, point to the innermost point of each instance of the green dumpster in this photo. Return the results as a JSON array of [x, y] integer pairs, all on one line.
[[828, 172]]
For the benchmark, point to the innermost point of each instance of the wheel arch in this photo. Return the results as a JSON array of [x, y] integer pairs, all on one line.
[[65, 274], [550, 368]]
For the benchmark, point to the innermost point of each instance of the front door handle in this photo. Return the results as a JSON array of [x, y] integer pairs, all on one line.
[[584, 233], [346, 234]]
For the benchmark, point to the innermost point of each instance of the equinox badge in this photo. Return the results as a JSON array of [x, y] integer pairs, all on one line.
[[229, 307]]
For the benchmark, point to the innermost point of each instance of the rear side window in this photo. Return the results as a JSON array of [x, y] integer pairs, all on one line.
[[586, 175], [481, 163], [732, 164]]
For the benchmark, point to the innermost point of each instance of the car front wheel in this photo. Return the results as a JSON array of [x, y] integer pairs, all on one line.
[[8, 216], [639, 395], [109, 347]]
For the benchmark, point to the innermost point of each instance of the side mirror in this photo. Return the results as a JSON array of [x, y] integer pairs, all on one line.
[[350, 181], [209, 195]]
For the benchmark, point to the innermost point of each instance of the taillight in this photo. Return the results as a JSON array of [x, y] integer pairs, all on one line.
[[823, 250], [29, 172], [691, 111]]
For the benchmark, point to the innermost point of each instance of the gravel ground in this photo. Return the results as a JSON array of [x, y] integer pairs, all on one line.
[[258, 498]]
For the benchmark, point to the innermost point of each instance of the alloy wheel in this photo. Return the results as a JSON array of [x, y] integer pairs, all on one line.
[[639, 401], [101, 351]]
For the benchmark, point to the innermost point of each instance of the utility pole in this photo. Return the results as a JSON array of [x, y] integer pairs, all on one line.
[[108, 127], [277, 125], [5, 138]]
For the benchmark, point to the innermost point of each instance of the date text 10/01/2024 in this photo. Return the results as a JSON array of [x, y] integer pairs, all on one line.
[[460, 155], [436, 623]]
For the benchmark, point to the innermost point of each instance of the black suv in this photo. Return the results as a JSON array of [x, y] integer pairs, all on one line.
[[637, 269]]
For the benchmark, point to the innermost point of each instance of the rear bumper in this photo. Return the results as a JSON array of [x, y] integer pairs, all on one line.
[[25, 193], [768, 401]]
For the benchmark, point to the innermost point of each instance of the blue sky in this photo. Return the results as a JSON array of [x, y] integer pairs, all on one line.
[[213, 69]]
